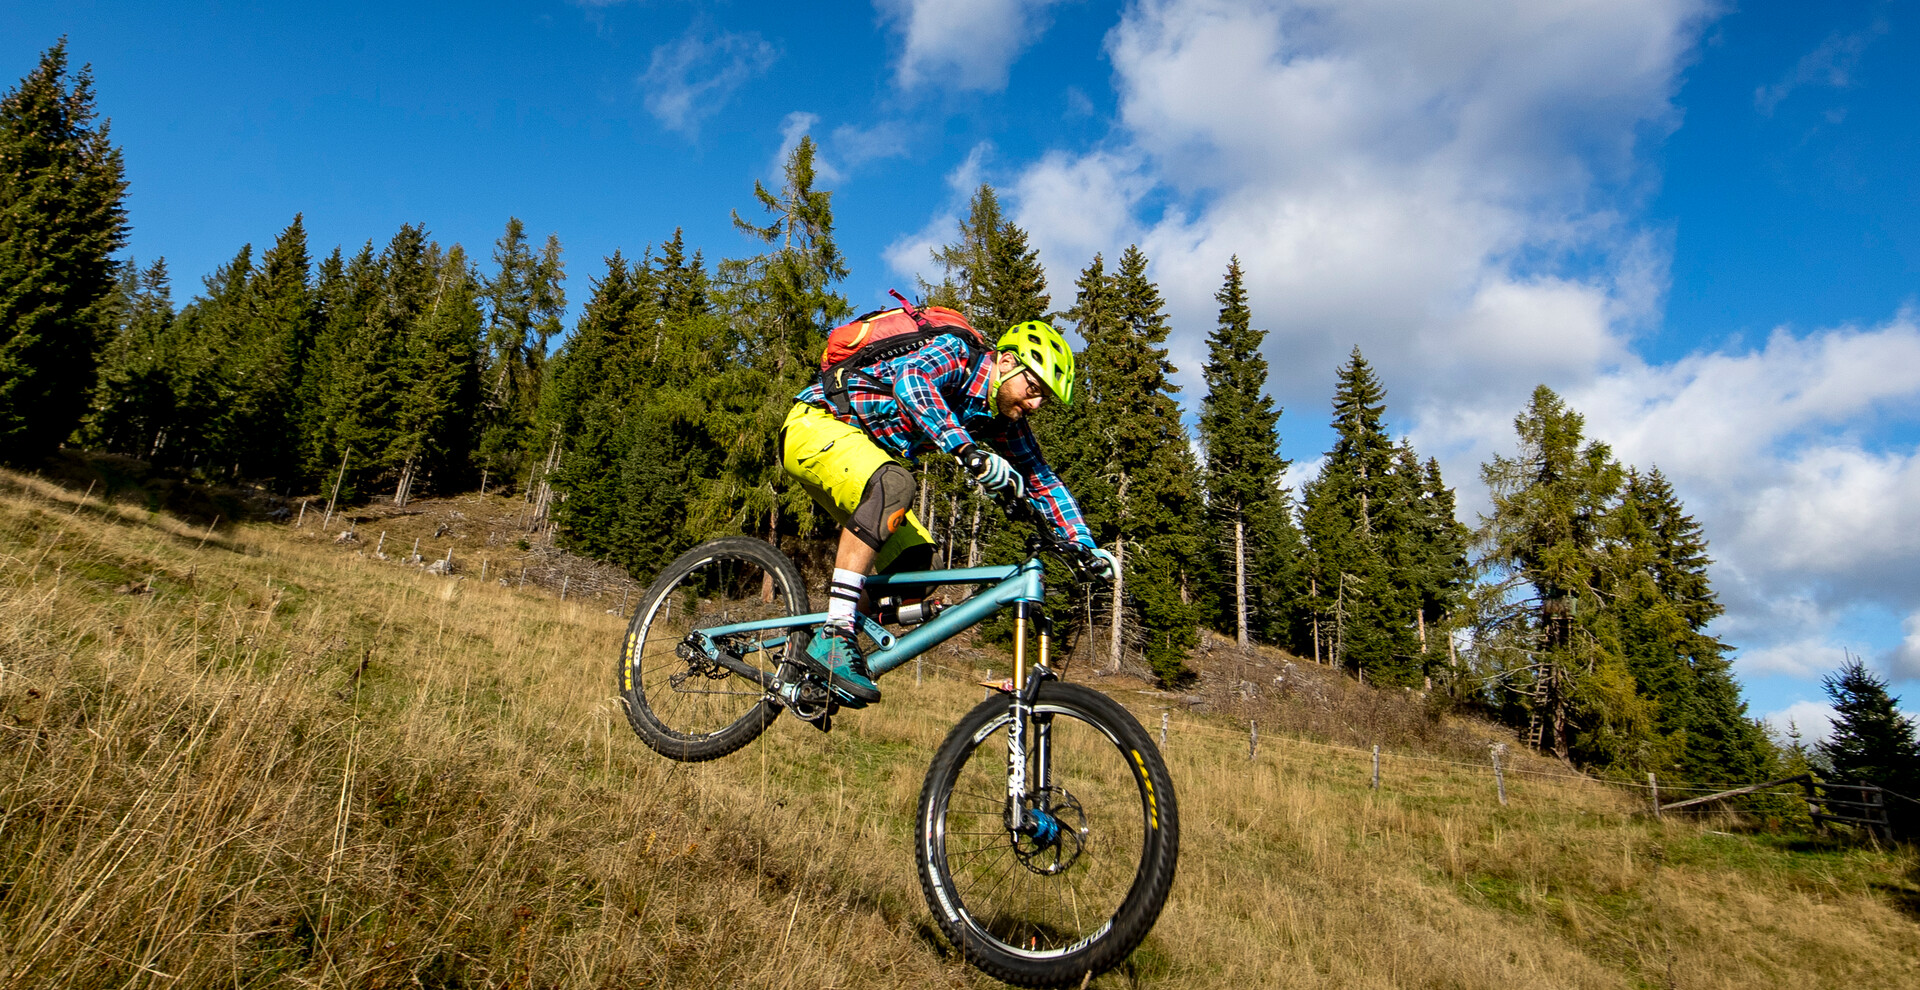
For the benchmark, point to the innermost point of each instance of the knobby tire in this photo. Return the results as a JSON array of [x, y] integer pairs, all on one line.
[[693, 712], [1017, 923]]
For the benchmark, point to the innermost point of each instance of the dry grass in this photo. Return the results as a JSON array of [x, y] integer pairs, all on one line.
[[252, 758]]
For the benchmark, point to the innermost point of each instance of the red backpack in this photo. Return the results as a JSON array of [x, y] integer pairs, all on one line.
[[882, 335]]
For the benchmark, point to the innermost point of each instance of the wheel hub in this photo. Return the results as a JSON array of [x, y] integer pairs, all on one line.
[[1055, 833]]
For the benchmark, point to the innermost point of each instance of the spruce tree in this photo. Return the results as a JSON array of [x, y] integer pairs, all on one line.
[[523, 303], [336, 367], [61, 219], [282, 334], [1357, 517], [1238, 430], [212, 354], [1872, 741], [438, 377], [1128, 461], [780, 305], [995, 278], [133, 403], [1546, 533], [590, 394], [968, 262], [1016, 284], [1658, 590]]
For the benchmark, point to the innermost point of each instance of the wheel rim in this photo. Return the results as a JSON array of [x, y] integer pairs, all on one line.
[[686, 696], [997, 888]]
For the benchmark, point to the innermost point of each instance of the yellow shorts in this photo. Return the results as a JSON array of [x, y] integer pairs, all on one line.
[[834, 461]]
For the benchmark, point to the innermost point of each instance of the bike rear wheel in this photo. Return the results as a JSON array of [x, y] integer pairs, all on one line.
[[679, 701], [1048, 914]]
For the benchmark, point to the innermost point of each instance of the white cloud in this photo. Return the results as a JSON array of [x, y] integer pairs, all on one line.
[[1448, 184], [1073, 207], [1904, 660], [691, 78], [1813, 719], [1831, 64], [962, 44], [1414, 177], [845, 148], [854, 146], [1812, 514]]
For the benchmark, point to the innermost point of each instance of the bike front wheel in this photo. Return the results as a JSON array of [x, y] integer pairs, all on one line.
[[1047, 913], [679, 700]]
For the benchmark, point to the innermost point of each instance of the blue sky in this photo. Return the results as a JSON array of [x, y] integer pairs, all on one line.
[[1698, 221]]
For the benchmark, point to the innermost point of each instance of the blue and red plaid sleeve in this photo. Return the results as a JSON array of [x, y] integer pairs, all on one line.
[[1044, 488]]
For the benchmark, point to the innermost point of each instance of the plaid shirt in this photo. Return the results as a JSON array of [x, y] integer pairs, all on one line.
[[942, 399]]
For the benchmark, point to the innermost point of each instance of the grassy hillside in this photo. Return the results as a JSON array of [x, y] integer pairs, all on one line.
[[252, 757]]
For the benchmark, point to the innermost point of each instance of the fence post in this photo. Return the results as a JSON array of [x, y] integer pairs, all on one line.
[[1253, 738], [382, 543], [1653, 793], [1499, 779], [1376, 766], [303, 515], [1163, 730], [565, 579]]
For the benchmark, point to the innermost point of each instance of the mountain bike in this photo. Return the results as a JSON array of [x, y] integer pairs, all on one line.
[[1047, 831]]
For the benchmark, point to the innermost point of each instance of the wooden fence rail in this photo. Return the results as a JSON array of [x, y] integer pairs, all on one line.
[[1868, 809]]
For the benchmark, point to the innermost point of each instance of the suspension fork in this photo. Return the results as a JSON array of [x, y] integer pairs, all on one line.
[[1025, 689]]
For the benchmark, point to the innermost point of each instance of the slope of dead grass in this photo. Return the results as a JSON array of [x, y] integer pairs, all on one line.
[[252, 758]]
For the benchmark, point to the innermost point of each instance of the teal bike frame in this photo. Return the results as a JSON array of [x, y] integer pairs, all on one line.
[[1020, 586]]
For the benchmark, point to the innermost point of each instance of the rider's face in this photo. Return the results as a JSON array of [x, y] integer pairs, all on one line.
[[1020, 391]]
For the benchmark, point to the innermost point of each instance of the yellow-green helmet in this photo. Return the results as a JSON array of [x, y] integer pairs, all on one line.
[[1042, 349]]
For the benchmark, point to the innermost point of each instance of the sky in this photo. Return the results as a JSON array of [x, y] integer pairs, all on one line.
[[1696, 221]]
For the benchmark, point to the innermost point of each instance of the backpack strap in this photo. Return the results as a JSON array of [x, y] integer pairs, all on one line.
[[835, 381]]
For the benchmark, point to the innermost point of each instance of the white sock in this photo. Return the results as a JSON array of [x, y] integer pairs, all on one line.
[[843, 597]]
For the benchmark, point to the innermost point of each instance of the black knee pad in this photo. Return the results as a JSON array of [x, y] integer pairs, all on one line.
[[888, 495]]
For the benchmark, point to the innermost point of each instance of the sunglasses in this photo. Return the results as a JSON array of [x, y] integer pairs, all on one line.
[[1034, 386]]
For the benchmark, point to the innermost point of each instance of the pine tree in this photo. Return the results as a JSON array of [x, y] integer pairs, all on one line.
[[1358, 518], [1238, 429], [1550, 515], [283, 331], [523, 304], [133, 404], [781, 304], [1127, 459], [1872, 741], [61, 218], [968, 263]]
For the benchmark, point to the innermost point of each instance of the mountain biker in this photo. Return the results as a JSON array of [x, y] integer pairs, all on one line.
[[943, 396]]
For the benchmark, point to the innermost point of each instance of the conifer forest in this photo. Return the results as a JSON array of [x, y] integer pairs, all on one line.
[[403, 367]]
